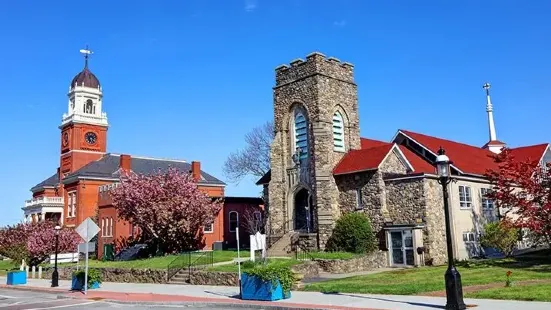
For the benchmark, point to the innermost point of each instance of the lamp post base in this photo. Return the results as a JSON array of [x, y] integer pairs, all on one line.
[[454, 290], [55, 278]]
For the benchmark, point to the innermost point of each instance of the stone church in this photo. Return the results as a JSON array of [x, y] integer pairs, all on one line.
[[322, 168]]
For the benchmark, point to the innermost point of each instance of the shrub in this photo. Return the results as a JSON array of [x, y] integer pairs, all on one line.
[[274, 274], [353, 234], [94, 275], [500, 235]]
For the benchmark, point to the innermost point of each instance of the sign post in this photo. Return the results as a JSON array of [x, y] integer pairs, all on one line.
[[87, 230], [238, 258]]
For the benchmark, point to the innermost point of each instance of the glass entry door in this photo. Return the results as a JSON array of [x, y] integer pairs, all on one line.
[[401, 242]]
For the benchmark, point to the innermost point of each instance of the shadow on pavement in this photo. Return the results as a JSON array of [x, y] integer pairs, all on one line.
[[389, 300], [225, 295]]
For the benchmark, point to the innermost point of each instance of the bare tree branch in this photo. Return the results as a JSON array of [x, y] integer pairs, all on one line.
[[254, 159]]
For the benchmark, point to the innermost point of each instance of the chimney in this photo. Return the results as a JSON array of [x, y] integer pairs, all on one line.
[[196, 170], [125, 162]]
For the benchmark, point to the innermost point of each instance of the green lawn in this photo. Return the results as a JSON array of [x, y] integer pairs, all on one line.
[[5, 265], [160, 262], [428, 279], [333, 255], [249, 265]]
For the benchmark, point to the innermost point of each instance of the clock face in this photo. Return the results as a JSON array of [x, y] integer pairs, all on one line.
[[65, 138], [90, 138]]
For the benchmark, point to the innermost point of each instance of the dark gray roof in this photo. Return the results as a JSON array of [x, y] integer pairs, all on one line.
[[108, 167], [49, 182]]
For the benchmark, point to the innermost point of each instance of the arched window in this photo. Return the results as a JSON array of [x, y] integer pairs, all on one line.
[[338, 132], [89, 107], [301, 134], [234, 220]]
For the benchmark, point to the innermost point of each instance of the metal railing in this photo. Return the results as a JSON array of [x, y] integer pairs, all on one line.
[[302, 253], [190, 261]]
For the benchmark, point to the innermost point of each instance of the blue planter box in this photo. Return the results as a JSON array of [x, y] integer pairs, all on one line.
[[17, 277], [78, 284], [253, 288]]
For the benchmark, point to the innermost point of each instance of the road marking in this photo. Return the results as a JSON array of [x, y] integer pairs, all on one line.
[[7, 297], [66, 306]]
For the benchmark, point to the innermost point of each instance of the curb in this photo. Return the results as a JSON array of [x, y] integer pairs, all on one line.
[[222, 304]]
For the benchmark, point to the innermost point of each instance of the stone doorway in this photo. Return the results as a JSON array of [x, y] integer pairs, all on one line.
[[303, 212]]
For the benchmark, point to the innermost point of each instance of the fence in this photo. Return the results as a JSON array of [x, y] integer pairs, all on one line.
[[190, 262], [302, 253]]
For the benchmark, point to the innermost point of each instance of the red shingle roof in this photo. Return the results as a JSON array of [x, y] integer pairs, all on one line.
[[362, 160], [419, 164], [467, 158], [529, 153]]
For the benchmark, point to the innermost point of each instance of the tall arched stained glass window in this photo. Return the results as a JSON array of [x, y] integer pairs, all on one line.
[[301, 134]]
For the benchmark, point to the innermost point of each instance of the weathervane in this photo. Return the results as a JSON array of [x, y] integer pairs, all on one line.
[[486, 86], [86, 52]]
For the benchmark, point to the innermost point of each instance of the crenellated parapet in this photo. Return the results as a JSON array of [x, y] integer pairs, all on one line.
[[315, 63]]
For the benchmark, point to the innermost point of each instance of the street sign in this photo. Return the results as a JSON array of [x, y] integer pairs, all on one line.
[[87, 229], [82, 247]]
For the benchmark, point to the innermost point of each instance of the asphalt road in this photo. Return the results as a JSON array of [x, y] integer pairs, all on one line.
[[26, 300]]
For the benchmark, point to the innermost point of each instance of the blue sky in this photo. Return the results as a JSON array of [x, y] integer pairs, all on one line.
[[188, 79]]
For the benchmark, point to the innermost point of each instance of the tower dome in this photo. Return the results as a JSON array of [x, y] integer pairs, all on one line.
[[85, 77]]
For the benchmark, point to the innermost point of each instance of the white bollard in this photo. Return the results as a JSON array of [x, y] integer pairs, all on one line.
[[27, 270], [33, 271], [40, 272]]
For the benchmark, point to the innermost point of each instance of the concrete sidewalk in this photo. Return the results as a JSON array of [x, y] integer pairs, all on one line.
[[220, 295]]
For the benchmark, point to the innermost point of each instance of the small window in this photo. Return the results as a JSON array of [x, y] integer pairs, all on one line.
[[338, 132], [487, 203], [208, 229], [359, 199], [234, 220], [469, 237], [465, 197], [103, 227]]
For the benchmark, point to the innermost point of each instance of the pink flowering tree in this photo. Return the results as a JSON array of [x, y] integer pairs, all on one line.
[[35, 242], [167, 206]]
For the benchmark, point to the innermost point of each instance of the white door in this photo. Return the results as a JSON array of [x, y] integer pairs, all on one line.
[[401, 247]]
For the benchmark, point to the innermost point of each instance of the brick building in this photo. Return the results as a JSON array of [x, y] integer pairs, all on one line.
[[74, 192], [394, 182]]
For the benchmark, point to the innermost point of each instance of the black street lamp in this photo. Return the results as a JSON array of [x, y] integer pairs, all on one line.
[[55, 275], [454, 289]]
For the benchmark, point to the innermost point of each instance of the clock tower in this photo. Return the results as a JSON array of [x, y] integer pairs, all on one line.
[[84, 126]]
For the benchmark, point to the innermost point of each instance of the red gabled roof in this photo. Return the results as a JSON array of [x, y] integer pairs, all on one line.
[[419, 164], [529, 153], [362, 160], [372, 154], [369, 143], [467, 158]]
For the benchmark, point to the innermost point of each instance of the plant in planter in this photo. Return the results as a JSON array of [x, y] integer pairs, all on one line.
[[267, 283], [94, 279]]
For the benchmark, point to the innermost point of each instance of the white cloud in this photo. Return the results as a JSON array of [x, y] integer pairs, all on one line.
[[340, 23], [250, 5]]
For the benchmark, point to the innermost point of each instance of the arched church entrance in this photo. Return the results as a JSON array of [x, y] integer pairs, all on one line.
[[303, 213]]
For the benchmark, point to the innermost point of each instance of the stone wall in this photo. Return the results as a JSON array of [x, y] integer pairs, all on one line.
[[116, 274], [393, 165], [214, 278], [305, 241], [406, 200], [373, 195], [434, 236], [311, 269]]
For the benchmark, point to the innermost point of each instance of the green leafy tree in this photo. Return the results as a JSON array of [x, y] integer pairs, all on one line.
[[352, 233], [501, 235]]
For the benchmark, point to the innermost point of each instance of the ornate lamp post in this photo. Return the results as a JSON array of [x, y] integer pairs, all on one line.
[[454, 290], [55, 275]]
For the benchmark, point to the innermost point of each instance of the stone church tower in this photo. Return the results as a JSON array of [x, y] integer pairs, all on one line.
[[316, 123]]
